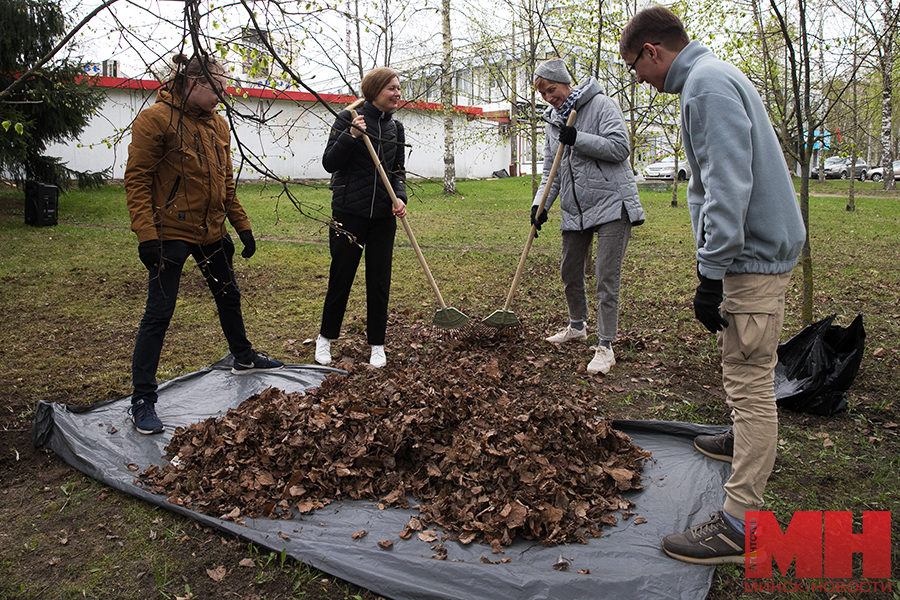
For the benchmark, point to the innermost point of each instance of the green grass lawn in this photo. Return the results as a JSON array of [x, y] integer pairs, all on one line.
[[73, 294]]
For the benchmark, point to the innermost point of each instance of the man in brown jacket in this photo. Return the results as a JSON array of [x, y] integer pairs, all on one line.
[[180, 190]]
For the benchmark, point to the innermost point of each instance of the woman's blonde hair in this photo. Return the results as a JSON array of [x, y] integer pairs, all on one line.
[[376, 80]]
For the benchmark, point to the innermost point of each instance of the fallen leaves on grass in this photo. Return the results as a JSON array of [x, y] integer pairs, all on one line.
[[465, 426]]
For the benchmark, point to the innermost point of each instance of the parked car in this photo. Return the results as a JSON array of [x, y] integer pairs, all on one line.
[[841, 170], [877, 173], [830, 162], [665, 169]]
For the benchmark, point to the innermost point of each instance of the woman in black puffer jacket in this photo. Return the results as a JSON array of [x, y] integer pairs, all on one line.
[[362, 206]]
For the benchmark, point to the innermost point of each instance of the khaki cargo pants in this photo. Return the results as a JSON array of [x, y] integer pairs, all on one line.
[[753, 304]]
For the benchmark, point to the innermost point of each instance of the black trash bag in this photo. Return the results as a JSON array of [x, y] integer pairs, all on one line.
[[42, 428], [816, 366]]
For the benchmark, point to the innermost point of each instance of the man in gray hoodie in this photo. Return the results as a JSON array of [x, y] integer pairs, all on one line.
[[749, 233]]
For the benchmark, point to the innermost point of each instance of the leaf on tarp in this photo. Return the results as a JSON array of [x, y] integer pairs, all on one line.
[[429, 535]]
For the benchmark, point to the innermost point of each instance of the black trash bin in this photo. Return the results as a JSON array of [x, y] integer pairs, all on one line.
[[41, 204]]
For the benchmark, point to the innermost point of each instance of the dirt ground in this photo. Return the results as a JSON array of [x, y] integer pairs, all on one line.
[[62, 530], [47, 557], [58, 523]]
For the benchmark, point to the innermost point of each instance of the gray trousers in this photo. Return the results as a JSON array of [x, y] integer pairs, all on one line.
[[612, 240]]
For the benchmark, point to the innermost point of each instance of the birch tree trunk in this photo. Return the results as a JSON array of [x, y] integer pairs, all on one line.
[[887, 87], [447, 102]]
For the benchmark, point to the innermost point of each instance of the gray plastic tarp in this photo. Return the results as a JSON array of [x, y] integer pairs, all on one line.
[[681, 487]]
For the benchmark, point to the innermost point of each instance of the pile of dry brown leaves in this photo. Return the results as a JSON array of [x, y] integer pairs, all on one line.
[[462, 424]]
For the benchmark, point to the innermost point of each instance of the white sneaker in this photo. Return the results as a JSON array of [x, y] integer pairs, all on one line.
[[377, 359], [567, 335], [603, 360], [323, 350]]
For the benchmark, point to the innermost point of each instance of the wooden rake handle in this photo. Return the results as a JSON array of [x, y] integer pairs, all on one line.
[[550, 177], [397, 204]]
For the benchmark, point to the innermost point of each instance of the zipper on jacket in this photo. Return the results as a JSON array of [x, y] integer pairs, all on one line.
[[377, 178], [574, 193], [197, 141], [219, 158], [172, 192], [600, 168]]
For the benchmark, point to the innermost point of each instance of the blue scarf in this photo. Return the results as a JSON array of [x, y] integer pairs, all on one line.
[[567, 106]]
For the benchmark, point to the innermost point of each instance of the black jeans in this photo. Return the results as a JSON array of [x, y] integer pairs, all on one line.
[[377, 236], [215, 262]]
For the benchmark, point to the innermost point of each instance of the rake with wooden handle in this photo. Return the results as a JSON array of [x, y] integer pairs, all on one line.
[[505, 317], [446, 317]]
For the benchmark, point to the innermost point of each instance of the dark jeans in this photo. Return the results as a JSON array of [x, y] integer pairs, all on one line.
[[215, 262], [377, 236]]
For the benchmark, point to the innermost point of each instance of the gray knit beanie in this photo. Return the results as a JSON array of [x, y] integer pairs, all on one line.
[[553, 70]]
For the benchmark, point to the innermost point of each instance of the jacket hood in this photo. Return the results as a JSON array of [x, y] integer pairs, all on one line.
[[589, 88], [682, 65]]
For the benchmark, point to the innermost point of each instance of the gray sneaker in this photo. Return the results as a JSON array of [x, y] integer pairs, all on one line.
[[712, 542], [719, 447]]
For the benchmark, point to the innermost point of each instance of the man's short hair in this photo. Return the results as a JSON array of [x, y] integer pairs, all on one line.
[[657, 25]]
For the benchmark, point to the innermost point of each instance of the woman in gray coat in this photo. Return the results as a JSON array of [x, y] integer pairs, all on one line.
[[597, 197]]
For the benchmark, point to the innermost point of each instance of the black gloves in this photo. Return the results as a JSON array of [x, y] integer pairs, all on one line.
[[150, 253], [538, 220], [706, 303], [567, 135], [249, 243]]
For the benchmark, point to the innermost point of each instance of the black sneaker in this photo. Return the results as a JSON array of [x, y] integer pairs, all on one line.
[[712, 542], [260, 363], [719, 447], [143, 415]]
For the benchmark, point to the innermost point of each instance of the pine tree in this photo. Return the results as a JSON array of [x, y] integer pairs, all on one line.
[[54, 105]]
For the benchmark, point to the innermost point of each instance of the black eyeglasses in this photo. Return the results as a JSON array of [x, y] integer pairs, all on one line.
[[644, 45]]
